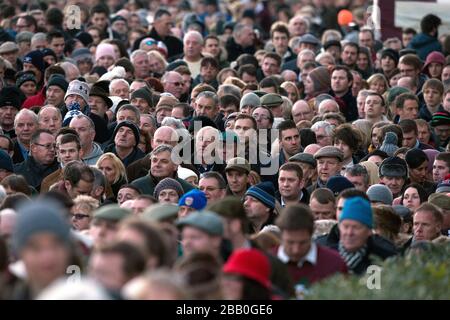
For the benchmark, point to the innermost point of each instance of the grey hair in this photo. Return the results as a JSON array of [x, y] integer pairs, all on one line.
[[114, 81], [56, 110], [171, 121], [38, 37], [210, 95], [229, 89], [195, 33], [161, 148], [82, 116], [26, 112], [238, 28], [137, 53], [358, 170], [325, 125]]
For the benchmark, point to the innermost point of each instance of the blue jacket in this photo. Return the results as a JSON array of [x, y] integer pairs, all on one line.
[[424, 44]]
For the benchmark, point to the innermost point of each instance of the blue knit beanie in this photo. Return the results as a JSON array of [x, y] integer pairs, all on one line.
[[264, 192], [195, 199], [358, 209]]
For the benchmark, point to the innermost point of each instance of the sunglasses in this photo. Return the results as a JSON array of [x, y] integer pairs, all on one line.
[[80, 216], [150, 42]]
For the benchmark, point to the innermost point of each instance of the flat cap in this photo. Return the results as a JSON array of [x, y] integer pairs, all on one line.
[[304, 158], [329, 152]]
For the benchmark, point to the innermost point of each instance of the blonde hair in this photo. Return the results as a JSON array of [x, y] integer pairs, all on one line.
[[376, 77], [292, 85], [235, 81], [117, 164], [157, 55], [86, 202]]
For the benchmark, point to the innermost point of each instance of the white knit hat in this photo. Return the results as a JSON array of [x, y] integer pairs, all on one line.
[[79, 88]]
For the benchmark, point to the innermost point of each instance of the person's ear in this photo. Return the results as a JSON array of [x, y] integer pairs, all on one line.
[[67, 185]]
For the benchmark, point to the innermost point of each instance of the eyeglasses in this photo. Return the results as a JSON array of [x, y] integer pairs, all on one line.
[[80, 216], [177, 84], [47, 146], [209, 189], [260, 116]]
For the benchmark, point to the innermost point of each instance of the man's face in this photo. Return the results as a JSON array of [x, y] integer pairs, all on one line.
[[373, 107], [358, 182], [322, 211], [194, 240], [408, 71], [254, 208], [103, 232], [387, 64], [445, 73], [366, 39], [83, 187], [55, 95], [126, 114], [353, 234], [192, 47], [335, 51], [419, 174], [262, 117], [339, 82], [424, 133], [174, 84], [162, 165], [280, 40], [164, 136], [108, 270], [210, 187], [43, 150], [68, 152], [206, 107], [323, 139], [208, 72], [289, 184], [125, 138], [446, 102], [247, 37], [212, 47], [10, 56], [205, 144], [168, 196], [410, 110], [443, 132], [290, 141], [57, 45], [327, 167], [440, 170], [121, 90], [99, 20], [163, 25], [125, 194], [249, 79], [141, 65], [139, 205], [98, 105], [296, 243], [84, 130], [142, 105], [425, 226], [120, 27], [75, 98], [7, 115], [406, 38], [395, 184], [25, 127], [244, 129], [301, 111], [45, 258], [409, 139], [349, 55], [432, 97], [237, 181], [302, 59], [270, 67]]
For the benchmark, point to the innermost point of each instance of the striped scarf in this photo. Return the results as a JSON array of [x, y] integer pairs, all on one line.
[[352, 259]]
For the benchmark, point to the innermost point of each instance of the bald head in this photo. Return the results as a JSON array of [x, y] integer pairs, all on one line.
[[312, 148], [302, 111], [165, 135], [327, 106]]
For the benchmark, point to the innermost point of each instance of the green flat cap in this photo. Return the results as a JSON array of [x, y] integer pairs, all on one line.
[[111, 212], [229, 207], [440, 200], [271, 100], [160, 212], [205, 220]]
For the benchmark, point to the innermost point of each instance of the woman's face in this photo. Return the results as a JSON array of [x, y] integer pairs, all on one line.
[[309, 86], [394, 80], [81, 218], [232, 287], [376, 135], [292, 94], [411, 199], [378, 86], [362, 62], [107, 167]]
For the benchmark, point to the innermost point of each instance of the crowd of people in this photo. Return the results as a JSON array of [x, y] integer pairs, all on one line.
[[215, 149]]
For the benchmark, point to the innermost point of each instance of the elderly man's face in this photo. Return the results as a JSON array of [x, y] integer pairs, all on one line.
[[353, 234]]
